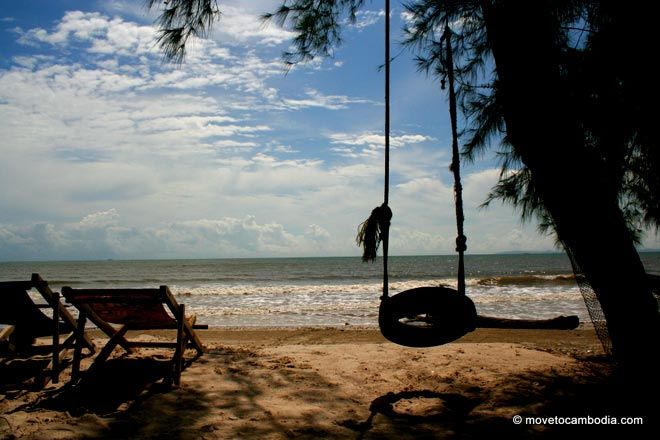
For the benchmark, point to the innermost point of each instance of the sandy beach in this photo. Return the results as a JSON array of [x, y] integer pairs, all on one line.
[[328, 383]]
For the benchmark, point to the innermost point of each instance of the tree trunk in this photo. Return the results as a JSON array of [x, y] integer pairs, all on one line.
[[571, 182]]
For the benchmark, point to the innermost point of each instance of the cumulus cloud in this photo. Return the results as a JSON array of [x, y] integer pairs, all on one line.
[[103, 235], [107, 36], [109, 153], [113, 112], [318, 232]]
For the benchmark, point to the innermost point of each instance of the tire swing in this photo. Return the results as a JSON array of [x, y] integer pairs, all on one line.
[[424, 316]]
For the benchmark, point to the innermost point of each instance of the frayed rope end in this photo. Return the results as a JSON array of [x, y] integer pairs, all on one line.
[[370, 232]]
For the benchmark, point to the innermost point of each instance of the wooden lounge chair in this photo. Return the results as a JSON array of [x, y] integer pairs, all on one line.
[[134, 309], [26, 321]]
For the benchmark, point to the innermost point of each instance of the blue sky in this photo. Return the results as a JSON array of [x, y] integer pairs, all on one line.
[[108, 152]]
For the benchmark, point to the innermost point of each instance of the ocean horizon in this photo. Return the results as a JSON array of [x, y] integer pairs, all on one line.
[[379, 259], [329, 291]]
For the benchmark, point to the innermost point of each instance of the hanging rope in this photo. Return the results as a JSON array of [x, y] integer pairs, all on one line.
[[455, 167], [376, 228], [386, 212]]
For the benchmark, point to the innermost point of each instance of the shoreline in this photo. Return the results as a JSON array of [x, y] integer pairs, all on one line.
[[582, 341]]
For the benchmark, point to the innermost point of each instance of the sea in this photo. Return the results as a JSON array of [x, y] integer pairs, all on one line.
[[334, 291]]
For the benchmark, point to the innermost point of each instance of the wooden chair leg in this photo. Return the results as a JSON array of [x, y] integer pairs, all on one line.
[[192, 337], [192, 340], [77, 352], [180, 341], [56, 338]]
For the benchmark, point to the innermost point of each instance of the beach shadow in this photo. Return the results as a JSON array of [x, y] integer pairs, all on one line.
[[233, 392], [26, 370], [116, 383], [417, 412], [22, 374], [323, 409], [594, 402], [464, 411], [226, 393], [125, 398]]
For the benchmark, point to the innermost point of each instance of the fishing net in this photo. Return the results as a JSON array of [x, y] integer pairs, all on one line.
[[593, 305]]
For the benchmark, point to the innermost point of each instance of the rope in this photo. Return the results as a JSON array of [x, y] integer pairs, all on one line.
[[385, 225], [461, 239], [376, 228]]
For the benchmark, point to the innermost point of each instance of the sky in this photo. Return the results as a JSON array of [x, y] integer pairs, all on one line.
[[108, 151]]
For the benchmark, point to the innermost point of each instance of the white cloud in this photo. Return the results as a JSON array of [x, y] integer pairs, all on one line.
[[117, 113], [25, 61], [114, 154], [377, 139], [425, 217], [239, 25], [239, 22], [233, 144], [498, 226], [102, 235], [408, 241], [407, 17], [365, 19], [371, 143], [318, 99], [282, 149], [479, 184], [421, 186], [107, 36], [196, 122], [318, 232], [102, 219]]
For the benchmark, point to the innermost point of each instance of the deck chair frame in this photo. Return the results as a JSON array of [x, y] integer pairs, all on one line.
[[92, 304], [60, 315]]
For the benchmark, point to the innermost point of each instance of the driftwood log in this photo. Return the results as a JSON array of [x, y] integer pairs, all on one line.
[[557, 323]]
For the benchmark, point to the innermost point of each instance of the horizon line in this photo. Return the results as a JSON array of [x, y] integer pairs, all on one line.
[[98, 260]]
